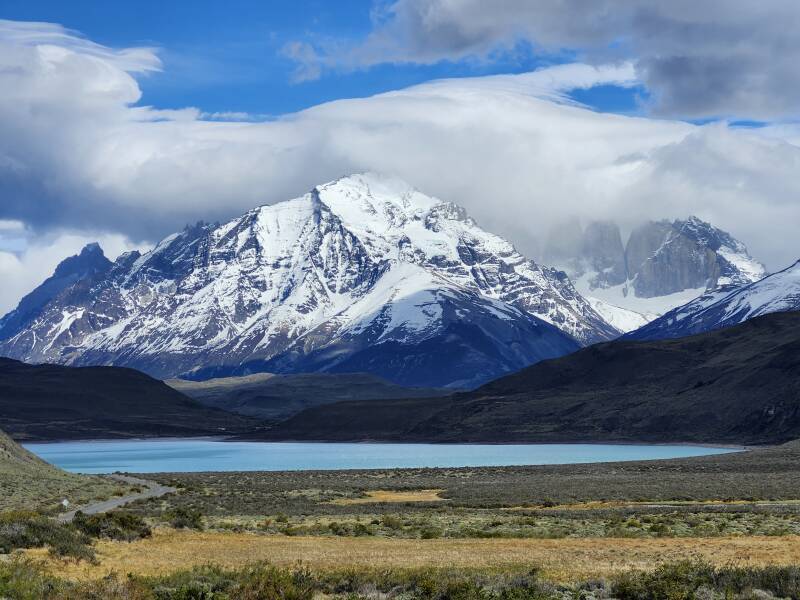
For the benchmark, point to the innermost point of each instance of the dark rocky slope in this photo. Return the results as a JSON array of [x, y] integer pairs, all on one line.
[[738, 385], [276, 397], [50, 402]]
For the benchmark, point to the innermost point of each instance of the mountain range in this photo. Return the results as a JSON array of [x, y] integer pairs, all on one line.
[[363, 274], [662, 265], [368, 275], [727, 306]]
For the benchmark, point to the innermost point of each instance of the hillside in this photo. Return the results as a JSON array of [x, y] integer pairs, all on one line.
[[738, 385], [26, 481], [48, 402], [276, 397]]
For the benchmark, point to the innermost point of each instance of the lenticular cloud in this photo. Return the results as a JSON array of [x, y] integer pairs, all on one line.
[[81, 150]]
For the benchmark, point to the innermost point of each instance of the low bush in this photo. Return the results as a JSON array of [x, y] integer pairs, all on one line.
[[21, 579], [121, 526], [20, 530], [186, 518]]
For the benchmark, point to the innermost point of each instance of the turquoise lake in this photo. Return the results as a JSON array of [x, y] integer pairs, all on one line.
[[192, 455]]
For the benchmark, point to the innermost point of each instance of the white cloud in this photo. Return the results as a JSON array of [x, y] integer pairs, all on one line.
[[718, 58], [75, 153]]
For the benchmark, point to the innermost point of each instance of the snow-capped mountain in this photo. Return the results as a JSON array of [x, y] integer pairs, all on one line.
[[663, 265], [90, 262], [361, 274], [727, 306]]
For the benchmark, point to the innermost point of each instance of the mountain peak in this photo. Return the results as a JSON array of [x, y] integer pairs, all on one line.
[[92, 248], [90, 259], [728, 306], [89, 263], [362, 267]]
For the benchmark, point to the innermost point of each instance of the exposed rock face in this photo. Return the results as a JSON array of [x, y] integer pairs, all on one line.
[[361, 274], [663, 265], [603, 251], [661, 261], [664, 258], [727, 306]]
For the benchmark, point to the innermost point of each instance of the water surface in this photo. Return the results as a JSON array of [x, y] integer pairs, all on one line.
[[191, 455]]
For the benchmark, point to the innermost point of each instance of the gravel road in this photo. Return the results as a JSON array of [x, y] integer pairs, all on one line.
[[153, 490]]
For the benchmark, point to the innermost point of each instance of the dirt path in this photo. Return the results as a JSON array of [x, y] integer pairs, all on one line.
[[153, 490]]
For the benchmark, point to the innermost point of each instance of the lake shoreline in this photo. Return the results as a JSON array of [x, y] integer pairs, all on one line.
[[237, 439], [207, 454]]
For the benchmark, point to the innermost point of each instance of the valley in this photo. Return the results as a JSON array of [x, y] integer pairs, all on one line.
[[399, 300]]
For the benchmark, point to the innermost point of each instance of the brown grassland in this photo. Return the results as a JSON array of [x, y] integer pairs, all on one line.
[[570, 524], [392, 497], [563, 560]]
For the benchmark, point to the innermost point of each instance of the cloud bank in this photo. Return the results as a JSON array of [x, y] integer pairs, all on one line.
[[78, 155], [715, 58]]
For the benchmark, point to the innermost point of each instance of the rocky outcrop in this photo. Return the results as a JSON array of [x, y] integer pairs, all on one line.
[[727, 306], [602, 250], [663, 265], [661, 261], [664, 258]]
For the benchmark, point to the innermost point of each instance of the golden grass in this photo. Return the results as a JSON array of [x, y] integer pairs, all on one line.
[[602, 504], [388, 496], [565, 559]]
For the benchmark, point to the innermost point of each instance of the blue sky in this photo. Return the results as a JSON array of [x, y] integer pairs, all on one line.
[[717, 102], [228, 56]]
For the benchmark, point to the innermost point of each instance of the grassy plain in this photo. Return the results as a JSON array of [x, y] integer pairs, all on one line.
[[572, 525], [562, 560]]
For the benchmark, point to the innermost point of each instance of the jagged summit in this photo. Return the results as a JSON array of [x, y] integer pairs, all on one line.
[[90, 262], [662, 265], [364, 273], [727, 306]]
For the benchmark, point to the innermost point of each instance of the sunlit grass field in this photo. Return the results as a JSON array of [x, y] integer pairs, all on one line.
[[563, 560]]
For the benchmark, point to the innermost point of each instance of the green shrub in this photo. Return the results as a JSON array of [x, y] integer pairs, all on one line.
[[186, 518], [121, 526], [676, 581], [392, 522], [19, 530], [429, 533]]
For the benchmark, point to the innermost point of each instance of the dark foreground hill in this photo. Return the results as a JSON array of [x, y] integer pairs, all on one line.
[[277, 397], [47, 402], [738, 385]]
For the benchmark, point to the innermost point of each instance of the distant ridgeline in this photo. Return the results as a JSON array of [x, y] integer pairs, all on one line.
[[46, 402], [368, 275]]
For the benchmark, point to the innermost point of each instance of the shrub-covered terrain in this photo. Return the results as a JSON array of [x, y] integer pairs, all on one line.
[[748, 493], [689, 580], [22, 530], [758, 475], [26, 481]]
